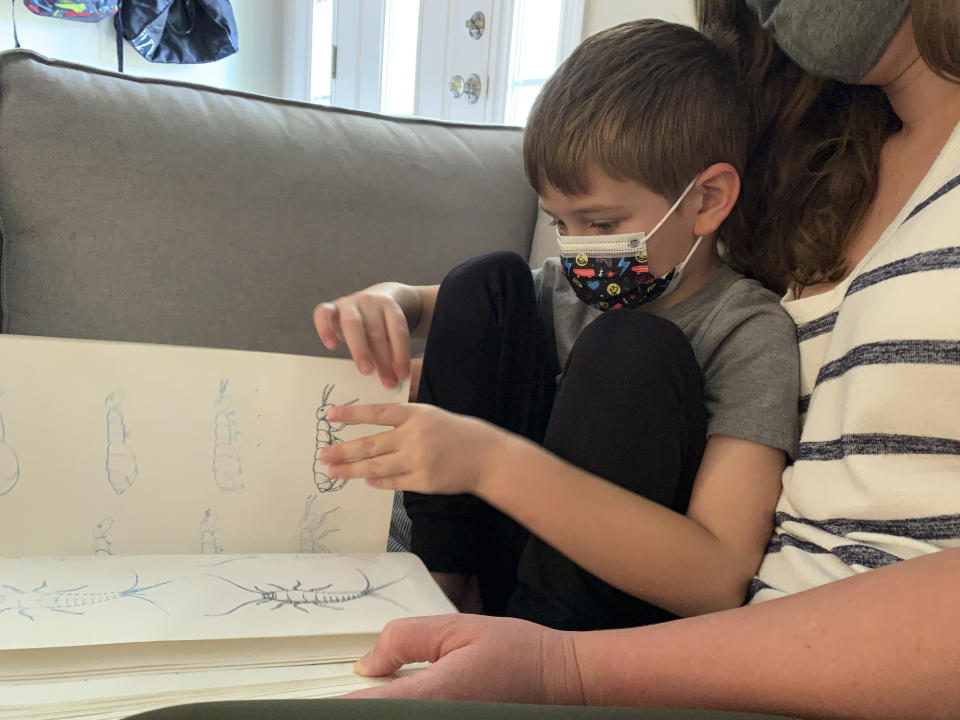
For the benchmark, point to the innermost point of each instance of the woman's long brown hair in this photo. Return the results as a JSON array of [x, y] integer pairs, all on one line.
[[814, 152]]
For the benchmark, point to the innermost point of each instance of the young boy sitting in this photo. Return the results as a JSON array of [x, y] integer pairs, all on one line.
[[640, 484]]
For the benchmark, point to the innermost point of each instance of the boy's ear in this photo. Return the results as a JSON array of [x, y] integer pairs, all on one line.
[[719, 188]]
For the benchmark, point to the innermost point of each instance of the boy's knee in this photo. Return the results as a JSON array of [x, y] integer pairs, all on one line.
[[635, 340], [497, 267]]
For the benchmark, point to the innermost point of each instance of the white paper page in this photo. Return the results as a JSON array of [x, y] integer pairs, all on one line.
[[124, 448], [84, 601]]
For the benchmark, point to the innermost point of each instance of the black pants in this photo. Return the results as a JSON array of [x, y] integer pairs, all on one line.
[[629, 409]]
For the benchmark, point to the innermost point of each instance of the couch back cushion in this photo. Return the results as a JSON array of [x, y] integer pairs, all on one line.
[[142, 210]]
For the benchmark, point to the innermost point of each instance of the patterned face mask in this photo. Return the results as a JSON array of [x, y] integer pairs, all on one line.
[[611, 271]]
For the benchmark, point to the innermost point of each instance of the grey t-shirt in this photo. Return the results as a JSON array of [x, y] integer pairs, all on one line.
[[745, 342]]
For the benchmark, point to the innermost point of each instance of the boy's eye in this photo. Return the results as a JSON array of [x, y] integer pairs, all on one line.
[[555, 223], [605, 227]]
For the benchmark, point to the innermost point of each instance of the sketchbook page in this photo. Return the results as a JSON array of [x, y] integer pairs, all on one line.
[[96, 601], [129, 449], [139, 693]]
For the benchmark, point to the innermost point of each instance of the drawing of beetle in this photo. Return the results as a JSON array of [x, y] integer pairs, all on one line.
[[9, 462], [327, 436], [121, 464], [71, 601], [297, 597]]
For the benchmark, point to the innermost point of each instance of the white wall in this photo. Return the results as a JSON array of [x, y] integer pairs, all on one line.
[[259, 67], [601, 14]]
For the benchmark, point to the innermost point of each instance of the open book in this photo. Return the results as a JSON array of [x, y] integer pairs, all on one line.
[[170, 536]]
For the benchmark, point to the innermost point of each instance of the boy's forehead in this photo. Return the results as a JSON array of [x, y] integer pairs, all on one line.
[[602, 192]]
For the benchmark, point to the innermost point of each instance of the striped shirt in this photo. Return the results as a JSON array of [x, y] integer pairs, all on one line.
[[877, 476]]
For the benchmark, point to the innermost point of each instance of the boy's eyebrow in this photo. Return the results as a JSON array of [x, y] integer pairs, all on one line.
[[590, 210]]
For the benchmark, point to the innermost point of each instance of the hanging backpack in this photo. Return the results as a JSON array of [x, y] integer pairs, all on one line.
[[180, 31], [81, 11], [94, 11]]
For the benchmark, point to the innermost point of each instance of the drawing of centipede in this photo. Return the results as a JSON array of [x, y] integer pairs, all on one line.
[[327, 436], [121, 464], [9, 461], [312, 530], [301, 598], [72, 601], [227, 467]]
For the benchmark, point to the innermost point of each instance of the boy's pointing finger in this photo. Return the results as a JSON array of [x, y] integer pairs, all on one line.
[[391, 414]]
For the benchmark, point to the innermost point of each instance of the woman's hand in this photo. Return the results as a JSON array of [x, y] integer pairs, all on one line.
[[475, 658], [375, 324], [429, 450]]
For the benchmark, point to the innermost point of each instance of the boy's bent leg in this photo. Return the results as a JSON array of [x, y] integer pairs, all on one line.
[[486, 356], [629, 409]]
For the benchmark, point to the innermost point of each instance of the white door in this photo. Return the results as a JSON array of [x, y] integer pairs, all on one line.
[[456, 38]]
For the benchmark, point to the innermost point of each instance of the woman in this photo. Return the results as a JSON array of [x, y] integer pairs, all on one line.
[[854, 209]]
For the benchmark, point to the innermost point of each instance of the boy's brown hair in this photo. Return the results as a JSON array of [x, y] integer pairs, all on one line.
[[648, 101]]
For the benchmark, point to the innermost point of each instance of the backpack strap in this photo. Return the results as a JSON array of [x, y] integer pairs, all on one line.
[[118, 25], [13, 14]]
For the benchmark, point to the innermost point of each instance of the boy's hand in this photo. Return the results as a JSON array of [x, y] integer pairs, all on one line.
[[429, 450], [375, 328]]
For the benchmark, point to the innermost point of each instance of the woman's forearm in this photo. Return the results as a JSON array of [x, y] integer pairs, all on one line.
[[630, 542], [883, 644]]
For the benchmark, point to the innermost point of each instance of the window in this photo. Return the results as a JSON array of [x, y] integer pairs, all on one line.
[[398, 71], [534, 54], [323, 53]]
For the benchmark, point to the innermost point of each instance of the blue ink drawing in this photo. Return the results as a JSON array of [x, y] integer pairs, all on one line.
[[210, 534], [301, 598], [9, 462], [312, 530], [72, 601], [227, 467], [121, 464], [101, 544], [327, 436]]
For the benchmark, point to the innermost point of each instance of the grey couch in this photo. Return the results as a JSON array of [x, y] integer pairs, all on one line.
[[142, 210]]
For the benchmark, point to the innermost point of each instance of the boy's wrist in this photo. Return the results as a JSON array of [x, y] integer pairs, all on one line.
[[501, 450]]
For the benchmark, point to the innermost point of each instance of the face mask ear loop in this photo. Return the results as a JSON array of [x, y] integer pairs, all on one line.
[[670, 211]]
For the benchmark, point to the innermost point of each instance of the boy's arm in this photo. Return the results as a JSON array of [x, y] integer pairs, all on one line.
[[688, 564]]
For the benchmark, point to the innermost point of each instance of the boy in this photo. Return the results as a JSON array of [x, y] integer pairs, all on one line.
[[641, 484]]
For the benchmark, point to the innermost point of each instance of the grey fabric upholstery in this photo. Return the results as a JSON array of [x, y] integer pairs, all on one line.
[[141, 210]]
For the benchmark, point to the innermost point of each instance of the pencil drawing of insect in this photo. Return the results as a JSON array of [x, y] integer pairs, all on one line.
[[72, 601], [210, 534], [227, 467], [301, 598], [121, 464], [9, 461], [101, 544], [312, 530], [327, 436]]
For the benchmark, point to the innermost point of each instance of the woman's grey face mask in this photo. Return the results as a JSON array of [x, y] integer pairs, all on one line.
[[840, 39]]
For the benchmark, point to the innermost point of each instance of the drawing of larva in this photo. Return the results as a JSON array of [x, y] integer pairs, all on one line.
[[9, 462], [327, 436], [227, 467], [101, 543], [121, 463]]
